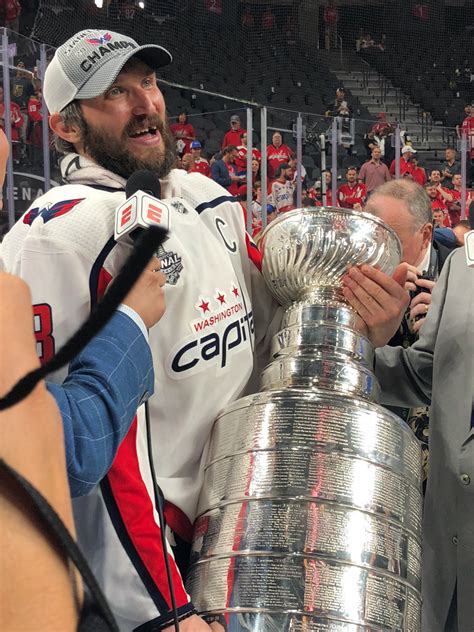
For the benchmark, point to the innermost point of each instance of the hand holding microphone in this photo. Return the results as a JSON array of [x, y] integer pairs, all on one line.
[[147, 297]]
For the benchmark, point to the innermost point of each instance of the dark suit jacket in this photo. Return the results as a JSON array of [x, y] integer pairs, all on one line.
[[439, 368]]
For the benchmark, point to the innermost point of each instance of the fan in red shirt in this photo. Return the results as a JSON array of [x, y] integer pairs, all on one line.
[[201, 165], [405, 161], [16, 122], [468, 128], [277, 154], [454, 207], [183, 132], [418, 173], [241, 160], [234, 135], [352, 194], [35, 118], [437, 204]]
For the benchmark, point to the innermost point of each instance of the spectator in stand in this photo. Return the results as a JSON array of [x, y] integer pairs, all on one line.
[[268, 20], [374, 172], [16, 123], [187, 163], [382, 125], [437, 204], [303, 173], [241, 160], [450, 168], [328, 182], [454, 206], [467, 127], [438, 218], [277, 154], [281, 192], [183, 132], [223, 171], [234, 135], [21, 91], [418, 174], [201, 165], [255, 171], [352, 194], [405, 161], [10, 14], [34, 136]]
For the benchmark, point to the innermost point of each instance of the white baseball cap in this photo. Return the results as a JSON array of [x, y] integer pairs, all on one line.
[[407, 148], [89, 62]]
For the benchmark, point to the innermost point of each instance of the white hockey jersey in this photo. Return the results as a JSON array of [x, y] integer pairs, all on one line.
[[218, 315]]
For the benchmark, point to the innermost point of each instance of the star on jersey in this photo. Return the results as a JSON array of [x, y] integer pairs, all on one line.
[[204, 305], [235, 292], [220, 297]]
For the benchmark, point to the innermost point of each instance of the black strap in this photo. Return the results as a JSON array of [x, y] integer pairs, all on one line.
[[95, 604]]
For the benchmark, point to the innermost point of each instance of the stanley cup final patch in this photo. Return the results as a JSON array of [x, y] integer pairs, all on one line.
[[171, 265]]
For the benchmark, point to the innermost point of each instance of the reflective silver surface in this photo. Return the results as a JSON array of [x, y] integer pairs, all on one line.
[[307, 251], [310, 513]]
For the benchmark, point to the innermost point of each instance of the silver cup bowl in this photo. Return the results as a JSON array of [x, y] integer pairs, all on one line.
[[308, 251]]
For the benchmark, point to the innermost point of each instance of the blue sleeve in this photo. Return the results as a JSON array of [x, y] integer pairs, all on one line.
[[98, 400]]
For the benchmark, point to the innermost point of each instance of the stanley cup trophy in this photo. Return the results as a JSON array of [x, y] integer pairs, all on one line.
[[310, 514]]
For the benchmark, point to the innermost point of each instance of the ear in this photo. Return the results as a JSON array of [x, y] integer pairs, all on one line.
[[427, 232], [70, 133]]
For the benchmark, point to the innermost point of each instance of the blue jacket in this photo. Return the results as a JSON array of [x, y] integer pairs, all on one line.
[[98, 400], [220, 173]]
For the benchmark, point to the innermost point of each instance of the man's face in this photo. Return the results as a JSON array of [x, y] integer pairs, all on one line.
[[438, 218], [376, 153], [125, 128], [407, 155], [431, 191], [435, 176], [187, 162], [196, 152], [182, 118], [457, 180], [276, 139], [351, 176], [450, 155], [235, 125], [395, 213], [233, 155]]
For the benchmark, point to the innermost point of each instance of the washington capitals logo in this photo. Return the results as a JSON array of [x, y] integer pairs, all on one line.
[[50, 211], [100, 41]]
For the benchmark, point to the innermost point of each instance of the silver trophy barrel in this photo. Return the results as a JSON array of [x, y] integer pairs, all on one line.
[[310, 513]]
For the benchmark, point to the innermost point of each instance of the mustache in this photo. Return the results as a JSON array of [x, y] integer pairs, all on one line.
[[136, 125]]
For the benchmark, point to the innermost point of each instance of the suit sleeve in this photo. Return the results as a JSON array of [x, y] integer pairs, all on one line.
[[405, 375], [98, 400]]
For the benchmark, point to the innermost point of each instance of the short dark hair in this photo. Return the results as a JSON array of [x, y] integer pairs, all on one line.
[[228, 149]]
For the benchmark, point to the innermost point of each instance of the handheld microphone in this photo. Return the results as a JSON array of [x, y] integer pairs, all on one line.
[[142, 208]]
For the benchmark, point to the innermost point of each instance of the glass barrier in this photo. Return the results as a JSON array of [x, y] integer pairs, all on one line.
[[367, 134]]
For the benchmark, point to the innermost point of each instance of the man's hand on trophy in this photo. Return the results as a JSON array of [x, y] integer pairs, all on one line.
[[195, 624], [379, 299]]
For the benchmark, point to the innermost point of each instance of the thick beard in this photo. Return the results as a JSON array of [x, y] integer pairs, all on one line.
[[111, 153]]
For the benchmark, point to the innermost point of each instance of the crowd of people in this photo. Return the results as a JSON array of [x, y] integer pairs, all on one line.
[[229, 169]]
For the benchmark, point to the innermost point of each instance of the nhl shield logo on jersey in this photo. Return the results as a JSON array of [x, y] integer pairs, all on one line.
[[179, 206], [171, 265]]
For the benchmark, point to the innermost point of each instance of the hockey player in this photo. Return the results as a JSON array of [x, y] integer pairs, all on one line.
[[108, 116]]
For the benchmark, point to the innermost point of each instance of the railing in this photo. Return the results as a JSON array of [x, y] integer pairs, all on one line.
[[366, 73], [340, 47]]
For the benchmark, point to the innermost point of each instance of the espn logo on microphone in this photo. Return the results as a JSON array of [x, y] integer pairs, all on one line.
[[141, 210]]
